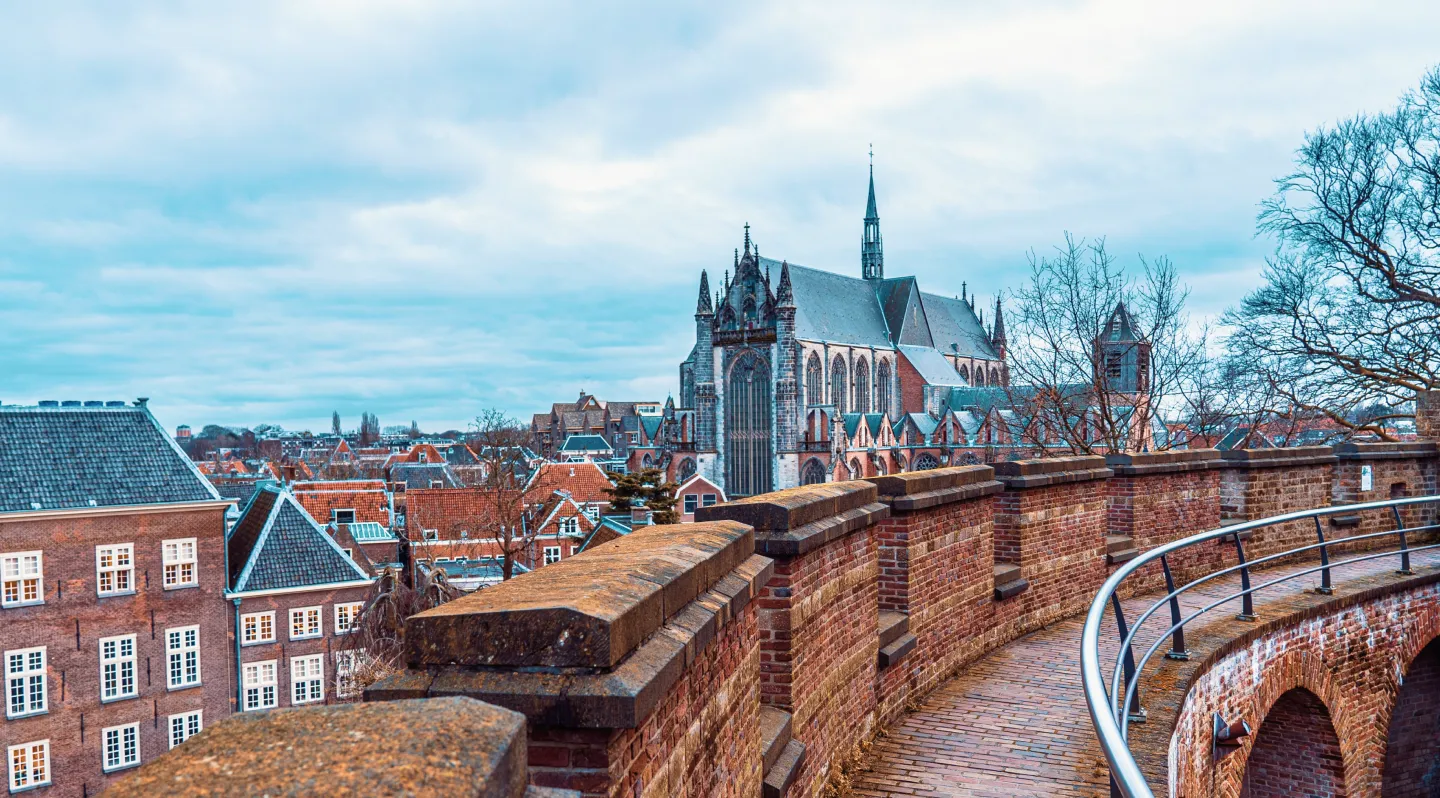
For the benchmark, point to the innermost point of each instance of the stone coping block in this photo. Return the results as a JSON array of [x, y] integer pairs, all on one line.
[[587, 611], [1289, 457], [1022, 474], [794, 521], [440, 747], [1385, 450], [920, 490], [621, 698], [1139, 464]]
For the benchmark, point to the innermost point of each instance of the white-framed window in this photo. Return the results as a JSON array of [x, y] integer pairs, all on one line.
[[259, 685], [708, 500], [29, 765], [346, 615], [184, 726], [574, 549], [179, 563], [257, 627], [569, 526], [25, 682], [305, 623], [692, 503], [346, 664], [22, 580], [349, 553], [117, 668], [115, 569], [182, 653], [120, 747], [307, 679], [343, 516], [552, 554]]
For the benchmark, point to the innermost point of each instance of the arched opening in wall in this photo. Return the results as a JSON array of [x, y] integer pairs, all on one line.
[[748, 434], [838, 384], [814, 382], [1412, 746], [862, 386], [882, 387], [648, 462], [856, 471], [813, 473], [979, 377], [880, 469], [687, 470], [900, 465], [965, 374], [1296, 751], [925, 462], [995, 377]]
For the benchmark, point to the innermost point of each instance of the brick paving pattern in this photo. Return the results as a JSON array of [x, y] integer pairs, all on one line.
[[1015, 724]]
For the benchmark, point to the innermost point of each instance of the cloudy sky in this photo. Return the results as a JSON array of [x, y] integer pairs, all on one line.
[[266, 212]]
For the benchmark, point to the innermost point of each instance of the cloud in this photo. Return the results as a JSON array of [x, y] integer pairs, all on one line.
[[266, 211]]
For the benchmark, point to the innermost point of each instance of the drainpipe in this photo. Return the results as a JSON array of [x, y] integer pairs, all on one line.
[[239, 667]]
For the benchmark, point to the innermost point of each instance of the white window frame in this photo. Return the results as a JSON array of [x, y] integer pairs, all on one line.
[[574, 549], [184, 726], [182, 658], [260, 685], [570, 526], [14, 579], [305, 615], [255, 622], [127, 751], [26, 678], [335, 515], [550, 551], [121, 662], [24, 778], [708, 500], [307, 679], [175, 558], [692, 503], [120, 568], [346, 614]]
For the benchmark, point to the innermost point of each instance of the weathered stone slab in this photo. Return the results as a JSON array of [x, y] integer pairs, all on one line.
[[921, 490], [1131, 464], [1021, 474]]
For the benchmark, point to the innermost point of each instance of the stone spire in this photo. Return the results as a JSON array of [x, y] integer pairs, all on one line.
[[703, 307], [785, 295], [872, 253], [998, 337]]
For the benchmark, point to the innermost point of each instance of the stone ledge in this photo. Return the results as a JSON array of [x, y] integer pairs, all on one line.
[[1290, 457], [792, 522], [1134, 465], [920, 490], [618, 698], [1023, 474], [1386, 450], [584, 611], [452, 746]]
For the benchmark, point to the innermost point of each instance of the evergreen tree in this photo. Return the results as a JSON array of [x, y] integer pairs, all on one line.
[[335, 422], [646, 488]]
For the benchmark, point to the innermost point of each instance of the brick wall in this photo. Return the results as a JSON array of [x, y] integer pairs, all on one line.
[[1260, 483], [1297, 752], [1394, 470], [283, 649], [1350, 657], [1162, 497], [73, 619], [1412, 745]]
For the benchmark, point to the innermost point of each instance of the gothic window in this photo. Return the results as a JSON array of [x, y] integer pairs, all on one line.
[[970, 458], [813, 473], [814, 381], [979, 377], [965, 374], [925, 462], [856, 471], [750, 314], [647, 462], [687, 470], [880, 469], [747, 426], [838, 384], [862, 386], [882, 393], [995, 377]]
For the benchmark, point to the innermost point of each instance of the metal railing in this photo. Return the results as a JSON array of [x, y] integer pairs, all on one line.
[[1114, 706]]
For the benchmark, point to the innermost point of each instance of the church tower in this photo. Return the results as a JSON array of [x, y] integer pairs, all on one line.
[[872, 253]]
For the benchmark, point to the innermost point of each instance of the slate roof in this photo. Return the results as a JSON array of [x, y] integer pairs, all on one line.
[[76, 457], [585, 443], [955, 328], [933, 367], [421, 475], [278, 545]]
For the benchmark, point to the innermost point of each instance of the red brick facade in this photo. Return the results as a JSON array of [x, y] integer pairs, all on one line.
[[284, 647], [73, 619], [1412, 745]]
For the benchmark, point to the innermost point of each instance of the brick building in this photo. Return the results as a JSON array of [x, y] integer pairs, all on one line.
[[113, 627], [294, 595]]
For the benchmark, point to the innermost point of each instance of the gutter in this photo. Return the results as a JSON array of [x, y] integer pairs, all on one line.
[[281, 591], [122, 509], [239, 665]]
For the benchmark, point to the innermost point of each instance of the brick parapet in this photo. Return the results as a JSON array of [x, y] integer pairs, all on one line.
[[1262, 483], [1158, 498], [1392, 470]]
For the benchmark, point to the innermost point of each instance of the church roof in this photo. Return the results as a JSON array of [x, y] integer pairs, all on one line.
[[932, 366], [955, 328]]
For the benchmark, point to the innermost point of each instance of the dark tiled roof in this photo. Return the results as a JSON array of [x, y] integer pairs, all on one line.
[[290, 549], [421, 475], [835, 308], [63, 458], [955, 328], [590, 443]]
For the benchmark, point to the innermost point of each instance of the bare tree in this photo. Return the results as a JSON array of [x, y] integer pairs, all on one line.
[[375, 648], [1350, 311], [1077, 394]]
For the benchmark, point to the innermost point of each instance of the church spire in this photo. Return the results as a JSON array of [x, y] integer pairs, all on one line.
[[747, 238], [998, 337], [872, 253], [785, 295], [703, 307]]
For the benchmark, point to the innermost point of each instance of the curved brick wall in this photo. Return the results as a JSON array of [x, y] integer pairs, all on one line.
[[1412, 745]]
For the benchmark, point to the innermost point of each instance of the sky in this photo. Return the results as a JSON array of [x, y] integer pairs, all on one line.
[[265, 212]]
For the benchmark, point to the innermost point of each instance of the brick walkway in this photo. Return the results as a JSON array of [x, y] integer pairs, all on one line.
[[1015, 723]]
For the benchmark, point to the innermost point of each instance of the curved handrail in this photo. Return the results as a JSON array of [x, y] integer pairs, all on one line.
[[1108, 709]]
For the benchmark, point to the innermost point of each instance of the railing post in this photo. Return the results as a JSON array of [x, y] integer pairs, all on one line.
[[1138, 714], [1404, 547], [1324, 589], [1177, 638], [1247, 602]]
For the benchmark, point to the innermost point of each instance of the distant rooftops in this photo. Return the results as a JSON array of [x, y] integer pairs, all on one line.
[[67, 455]]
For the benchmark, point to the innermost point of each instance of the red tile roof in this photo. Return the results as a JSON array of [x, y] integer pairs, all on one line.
[[587, 483]]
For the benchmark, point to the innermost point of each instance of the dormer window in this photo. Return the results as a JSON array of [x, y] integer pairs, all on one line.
[[343, 516]]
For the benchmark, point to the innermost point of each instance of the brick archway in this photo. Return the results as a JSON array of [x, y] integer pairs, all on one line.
[[1296, 751], [1412, 746]]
